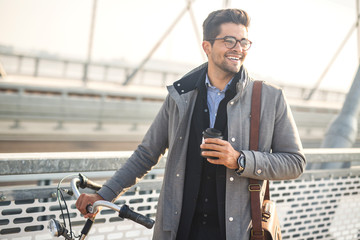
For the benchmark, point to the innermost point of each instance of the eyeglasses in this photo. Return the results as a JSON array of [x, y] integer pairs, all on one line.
[[230, 42]]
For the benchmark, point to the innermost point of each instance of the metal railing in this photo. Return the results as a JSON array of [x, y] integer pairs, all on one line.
[[54, 67], [321, 204], [152, 74]]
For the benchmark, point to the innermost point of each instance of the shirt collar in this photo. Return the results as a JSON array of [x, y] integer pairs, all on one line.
[[208, 83]]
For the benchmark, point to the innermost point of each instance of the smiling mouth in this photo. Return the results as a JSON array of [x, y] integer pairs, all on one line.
[[234, 58]]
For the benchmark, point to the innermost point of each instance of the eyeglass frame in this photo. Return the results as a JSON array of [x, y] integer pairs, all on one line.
[[236, 41]]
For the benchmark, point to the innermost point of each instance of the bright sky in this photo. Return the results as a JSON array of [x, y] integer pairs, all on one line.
[[293, 41]]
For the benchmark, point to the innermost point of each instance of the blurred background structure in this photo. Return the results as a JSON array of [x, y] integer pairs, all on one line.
[[66, 66], [81, 76]]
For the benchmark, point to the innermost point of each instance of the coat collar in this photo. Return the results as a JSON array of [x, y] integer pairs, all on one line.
[[193, 79]]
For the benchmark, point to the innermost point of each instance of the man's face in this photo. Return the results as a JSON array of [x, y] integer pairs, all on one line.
[[222, 58]]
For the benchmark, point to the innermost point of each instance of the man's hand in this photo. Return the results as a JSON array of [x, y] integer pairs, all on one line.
[[87, 199], [221, 149]]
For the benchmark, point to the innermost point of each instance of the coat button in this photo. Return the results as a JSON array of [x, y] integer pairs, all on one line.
[[232, 103], [178, 175], [231, 179], [231, 219], [180, 138], [178, 84], [233, 139], [258, 171], [176, 213]]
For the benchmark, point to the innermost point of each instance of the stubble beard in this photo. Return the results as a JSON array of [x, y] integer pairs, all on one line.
[[230, 68], [227, 66]]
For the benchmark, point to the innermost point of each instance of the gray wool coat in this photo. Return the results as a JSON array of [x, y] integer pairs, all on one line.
[[280, 154]]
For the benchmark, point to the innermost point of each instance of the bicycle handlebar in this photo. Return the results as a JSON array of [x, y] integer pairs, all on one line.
[[124, 211], [57, 229]]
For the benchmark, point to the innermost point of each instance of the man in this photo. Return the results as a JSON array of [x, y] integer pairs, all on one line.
[[201, 197]]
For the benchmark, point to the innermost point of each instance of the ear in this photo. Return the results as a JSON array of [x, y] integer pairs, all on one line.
[[206, 45]]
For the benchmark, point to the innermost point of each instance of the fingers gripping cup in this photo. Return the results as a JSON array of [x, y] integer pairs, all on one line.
[[211, 133]]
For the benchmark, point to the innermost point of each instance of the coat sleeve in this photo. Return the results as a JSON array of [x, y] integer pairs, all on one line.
[[144, 158], [286, 159]]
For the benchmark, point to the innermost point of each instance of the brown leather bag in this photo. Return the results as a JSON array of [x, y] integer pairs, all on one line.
[[266, 225]]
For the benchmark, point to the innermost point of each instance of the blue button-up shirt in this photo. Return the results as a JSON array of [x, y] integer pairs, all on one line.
[[214, 97]]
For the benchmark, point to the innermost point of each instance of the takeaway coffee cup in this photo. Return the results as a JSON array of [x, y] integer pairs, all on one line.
[[211, 133]]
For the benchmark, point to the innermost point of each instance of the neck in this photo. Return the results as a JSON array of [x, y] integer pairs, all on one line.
[[219, 80]]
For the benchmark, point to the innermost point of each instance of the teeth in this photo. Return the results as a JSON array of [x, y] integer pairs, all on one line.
[[233, 58]]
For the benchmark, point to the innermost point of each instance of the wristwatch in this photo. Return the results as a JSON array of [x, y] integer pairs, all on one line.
[[241, 164]]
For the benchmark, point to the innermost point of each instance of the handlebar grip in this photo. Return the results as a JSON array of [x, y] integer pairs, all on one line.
[[126, 212], [86, 228], [93, 185], [87, 183]]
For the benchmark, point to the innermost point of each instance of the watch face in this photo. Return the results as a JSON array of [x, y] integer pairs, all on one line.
[[240, 164], [241, 161]]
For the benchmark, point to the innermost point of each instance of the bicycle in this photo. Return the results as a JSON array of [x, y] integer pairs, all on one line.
[[58, 229]]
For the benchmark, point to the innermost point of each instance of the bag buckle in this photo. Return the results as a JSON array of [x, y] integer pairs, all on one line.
[[254, 187], [268, 208], [262, 232]]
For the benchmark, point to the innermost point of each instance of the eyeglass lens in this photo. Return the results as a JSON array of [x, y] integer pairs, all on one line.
[[230, 42]]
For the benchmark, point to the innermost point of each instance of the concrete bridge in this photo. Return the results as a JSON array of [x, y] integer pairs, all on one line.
[[46, 106], [49, 116]]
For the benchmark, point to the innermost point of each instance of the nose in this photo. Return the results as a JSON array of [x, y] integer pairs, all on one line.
[[238, 46]]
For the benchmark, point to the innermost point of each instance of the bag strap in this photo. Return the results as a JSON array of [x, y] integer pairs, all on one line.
[[254, 185], [255, 115]]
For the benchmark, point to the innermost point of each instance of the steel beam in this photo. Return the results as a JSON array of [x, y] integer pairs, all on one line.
[[156, 46]]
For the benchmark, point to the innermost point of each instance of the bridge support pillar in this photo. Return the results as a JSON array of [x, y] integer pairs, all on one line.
[[343, 130]]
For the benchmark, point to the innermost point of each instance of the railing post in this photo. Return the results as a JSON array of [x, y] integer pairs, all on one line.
[[101, 110], [106, 71], [20, 63], [16, 124], [164, 76], [62, 115], [66, 63], [85, 73], [36, 67]]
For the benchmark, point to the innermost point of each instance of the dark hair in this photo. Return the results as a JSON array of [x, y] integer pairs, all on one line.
[[211, 25]]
